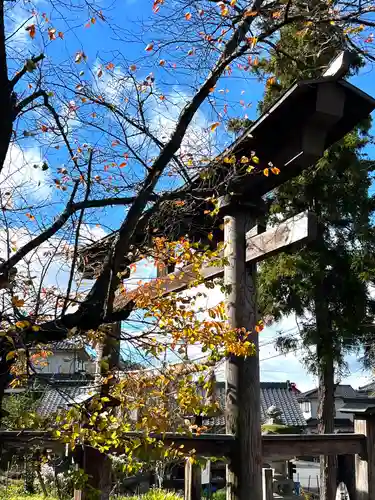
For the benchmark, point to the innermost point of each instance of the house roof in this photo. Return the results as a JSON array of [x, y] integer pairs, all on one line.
[[61, 395], [341, 391], [370, 387], [271, 394]]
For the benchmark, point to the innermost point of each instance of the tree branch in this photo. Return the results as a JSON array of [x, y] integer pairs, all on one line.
[[34, 60]]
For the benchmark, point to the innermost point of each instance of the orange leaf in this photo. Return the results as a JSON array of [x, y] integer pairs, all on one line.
[[149, 47], [93, 20], [266, 172], [133, 67], [275, 170], [31, 29], [214, 126], [250, 13], [44, 128], [122, 165], [30, 216], [110, 66], [162, 97], [270, 81], [161, 62], [188, 16]]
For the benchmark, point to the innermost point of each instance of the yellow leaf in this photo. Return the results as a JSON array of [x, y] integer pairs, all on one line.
[[233, 3], [255, 159], [11, 355], [244, 159], [214, 126], [210, 236], [266, 172], [17, 302], [35, 328], [230, 159]]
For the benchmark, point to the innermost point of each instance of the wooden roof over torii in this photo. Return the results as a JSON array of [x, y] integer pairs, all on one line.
[[292, 134]]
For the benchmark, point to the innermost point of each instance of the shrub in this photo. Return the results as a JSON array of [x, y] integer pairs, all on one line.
[[154, 494]]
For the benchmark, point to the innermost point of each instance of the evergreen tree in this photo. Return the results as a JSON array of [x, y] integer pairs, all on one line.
[[326, 284]]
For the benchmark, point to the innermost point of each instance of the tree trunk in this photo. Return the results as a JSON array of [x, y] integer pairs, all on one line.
[[326, 425], [326, 393], [98, 467]]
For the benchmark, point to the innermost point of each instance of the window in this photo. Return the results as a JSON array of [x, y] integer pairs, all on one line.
[[306, 407]]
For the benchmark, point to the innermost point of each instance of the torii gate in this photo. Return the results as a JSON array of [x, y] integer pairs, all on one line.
[[293, 134]]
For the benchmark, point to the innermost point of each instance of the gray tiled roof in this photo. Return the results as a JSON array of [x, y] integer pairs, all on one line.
[[342, 391], [61, 396], [271, 394], [278, 394]]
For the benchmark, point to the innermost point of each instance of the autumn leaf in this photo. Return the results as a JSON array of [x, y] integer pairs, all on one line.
[[11, 355], [188, 16], [44, 128], [30, 216], [201, 12], [100, 73], [149, 47], [52, 33], [110, 66], [60, 34], [115, 143], [250, 13], [276, 15], [80, 56], [162, 62], [123, 164], [133, 67], [254, 158], [162, 97], [244, 159], [214, 126], [17, 302], [233, 3], [31, 30], [191, 52], [275, 170], [266, 172], [270, 81]]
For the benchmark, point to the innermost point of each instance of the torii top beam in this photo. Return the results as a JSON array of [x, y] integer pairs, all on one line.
[[292, 134]]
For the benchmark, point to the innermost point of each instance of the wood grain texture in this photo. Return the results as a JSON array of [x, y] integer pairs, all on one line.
[[244, 472], [365, 469], [267, 484]]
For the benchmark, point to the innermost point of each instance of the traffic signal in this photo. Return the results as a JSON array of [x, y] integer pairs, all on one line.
[[292, 469]]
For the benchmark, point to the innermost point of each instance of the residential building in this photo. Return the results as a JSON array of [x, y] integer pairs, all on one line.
[[344, 394]]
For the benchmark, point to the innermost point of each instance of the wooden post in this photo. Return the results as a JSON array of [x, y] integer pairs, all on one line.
[[346, 473], [365, 466], [244, 473], [267, 484], [193, 481]]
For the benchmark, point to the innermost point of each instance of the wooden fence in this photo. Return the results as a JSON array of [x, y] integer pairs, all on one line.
[[358, 449]]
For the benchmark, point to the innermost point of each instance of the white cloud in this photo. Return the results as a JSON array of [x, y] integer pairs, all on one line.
[[21, 179]]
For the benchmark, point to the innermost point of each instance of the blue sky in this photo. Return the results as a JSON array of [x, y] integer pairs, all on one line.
[[121, 41]]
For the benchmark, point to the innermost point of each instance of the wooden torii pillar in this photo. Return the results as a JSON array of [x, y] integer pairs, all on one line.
[[244, 473]]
